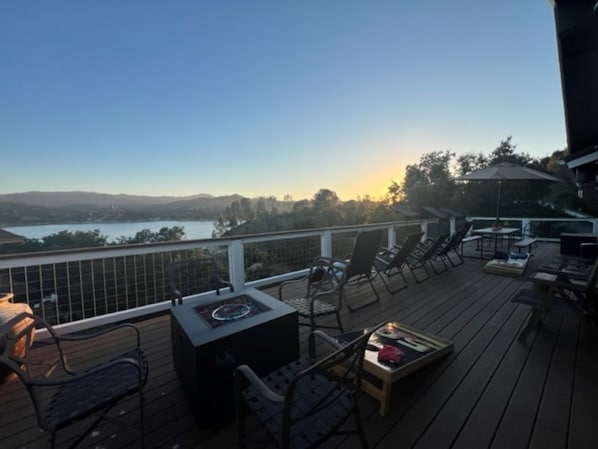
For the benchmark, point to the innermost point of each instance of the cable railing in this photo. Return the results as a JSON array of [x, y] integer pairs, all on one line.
[[87, 287], [82, 288]]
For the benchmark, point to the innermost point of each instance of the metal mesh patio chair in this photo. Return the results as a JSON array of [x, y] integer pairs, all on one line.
[[552, 287], [321, 298], [326, 280], [62, 395], [305, 402], [195, 275]]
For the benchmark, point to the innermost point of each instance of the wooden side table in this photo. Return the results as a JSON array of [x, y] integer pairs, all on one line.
[[420, 349]]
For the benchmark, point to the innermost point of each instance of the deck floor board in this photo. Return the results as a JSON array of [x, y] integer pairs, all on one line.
[[492, 391]]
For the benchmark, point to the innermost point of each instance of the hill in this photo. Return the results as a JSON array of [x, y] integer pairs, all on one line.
[[92, 199], [30, 208]]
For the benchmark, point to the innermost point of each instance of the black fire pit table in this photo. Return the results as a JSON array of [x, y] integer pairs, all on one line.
[[213, 335]]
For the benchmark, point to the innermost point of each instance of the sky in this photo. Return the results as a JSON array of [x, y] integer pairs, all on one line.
[[267, 97]]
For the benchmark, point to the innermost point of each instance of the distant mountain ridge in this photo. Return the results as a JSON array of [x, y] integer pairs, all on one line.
[[79, 199], [30, 208]]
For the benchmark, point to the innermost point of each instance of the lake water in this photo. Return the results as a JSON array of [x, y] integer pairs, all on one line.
[[112, 231]]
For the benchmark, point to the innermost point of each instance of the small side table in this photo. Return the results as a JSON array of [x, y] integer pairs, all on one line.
[[420, 349]]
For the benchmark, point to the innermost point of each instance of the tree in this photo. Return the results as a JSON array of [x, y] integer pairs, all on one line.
[[301, 206], [325, 199], [395, 192], [235, 210], [468, 162], [325, 206], [505, 152], [261, 210], [246, 209], [78, 239], [288, 203], [430, 182], [356, 212], [271, 203], [165, 234]]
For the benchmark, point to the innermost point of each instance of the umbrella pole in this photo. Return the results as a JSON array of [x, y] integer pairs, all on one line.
[[498, 203]]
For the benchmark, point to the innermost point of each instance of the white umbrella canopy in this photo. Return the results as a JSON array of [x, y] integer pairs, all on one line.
[[506, 172]]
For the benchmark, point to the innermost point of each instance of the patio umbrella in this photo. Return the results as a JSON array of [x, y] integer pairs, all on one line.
[[506, 172]]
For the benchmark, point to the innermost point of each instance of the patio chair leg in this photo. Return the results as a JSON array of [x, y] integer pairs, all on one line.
[[240, 412], [459, 257], [418, 280], [377, 299], [338, 320], [387, 284], [141, 418], [439, 271], [360, 430], [534, 322]]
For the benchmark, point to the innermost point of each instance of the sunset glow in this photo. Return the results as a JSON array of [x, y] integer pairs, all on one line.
[[267, 98]]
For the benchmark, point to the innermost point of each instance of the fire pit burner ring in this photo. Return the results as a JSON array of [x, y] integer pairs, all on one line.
[[231, 312]]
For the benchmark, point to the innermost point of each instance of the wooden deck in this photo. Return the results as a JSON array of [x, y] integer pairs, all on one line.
[[491, 392]]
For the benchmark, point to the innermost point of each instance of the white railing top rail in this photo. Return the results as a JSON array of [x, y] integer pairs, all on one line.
[[73, 255]]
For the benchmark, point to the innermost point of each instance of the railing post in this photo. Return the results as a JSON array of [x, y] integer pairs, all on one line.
[[526, 224], [236, 264], [326, 244], [424, 226], [452, 225], [392, 236]]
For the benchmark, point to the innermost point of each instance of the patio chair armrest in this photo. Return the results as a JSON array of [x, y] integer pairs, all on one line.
[[286, 283], [569, 274], [103, 332], [559, 281], [571, 260], [330, 261], [326, 338], [419, 250], [256, 382], [330, 341], [78, 376], [178, 297], [222, 283], [333, 266], [388, 251]]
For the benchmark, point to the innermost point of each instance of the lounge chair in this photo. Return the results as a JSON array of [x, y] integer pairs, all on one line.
[[359, 266], [422, 256], [391, 261], [453, 245]]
